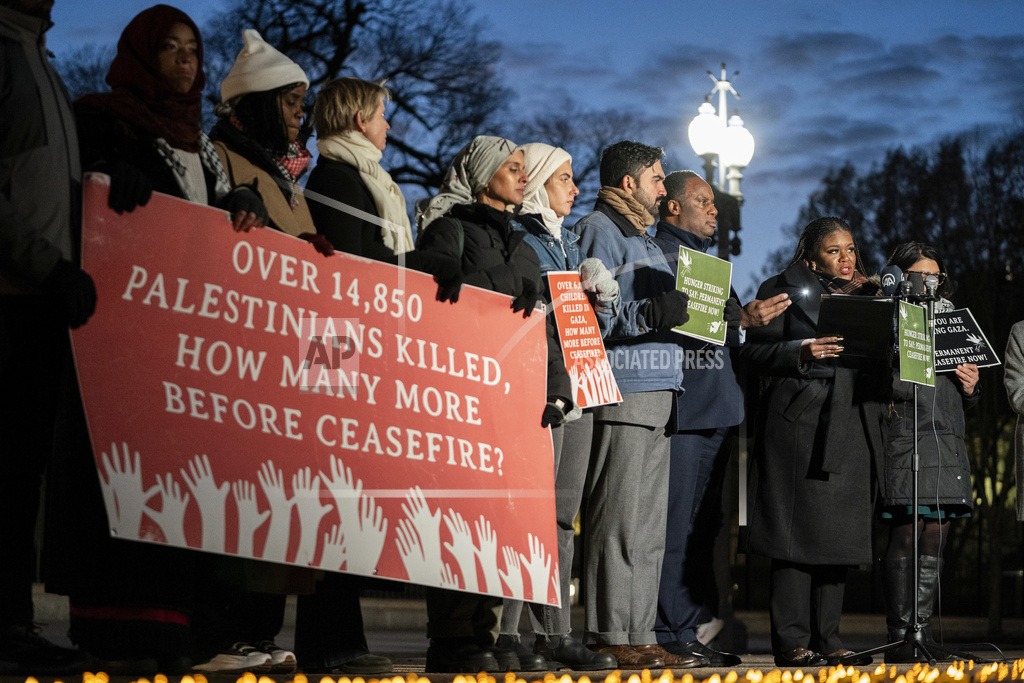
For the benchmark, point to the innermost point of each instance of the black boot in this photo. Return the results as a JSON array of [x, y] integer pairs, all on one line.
[[898, 583], [927, 592]]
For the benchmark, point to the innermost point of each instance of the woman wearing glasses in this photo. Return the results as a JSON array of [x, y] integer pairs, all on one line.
[[944, 478]]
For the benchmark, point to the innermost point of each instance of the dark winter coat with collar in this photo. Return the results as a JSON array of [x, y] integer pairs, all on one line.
[[819, 438], [712, 396]]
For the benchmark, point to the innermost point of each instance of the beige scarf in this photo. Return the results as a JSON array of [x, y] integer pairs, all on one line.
[[352, 147], [628, 206]]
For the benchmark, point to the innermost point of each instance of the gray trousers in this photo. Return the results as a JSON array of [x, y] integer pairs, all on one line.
[[627, 504], [572, 454]]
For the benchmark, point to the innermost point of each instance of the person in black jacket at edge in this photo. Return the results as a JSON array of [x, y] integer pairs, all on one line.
[[487, 178], [944, 492], [43, 291]]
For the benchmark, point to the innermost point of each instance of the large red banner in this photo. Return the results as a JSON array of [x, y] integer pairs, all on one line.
[[246, 395]]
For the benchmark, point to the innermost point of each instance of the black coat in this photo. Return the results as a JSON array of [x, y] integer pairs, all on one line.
[[496, 256], [348, 233], [819, 438], [944, 476]]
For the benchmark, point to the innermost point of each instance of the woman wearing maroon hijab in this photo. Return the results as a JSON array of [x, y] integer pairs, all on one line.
[[131, 603], [151, 121]]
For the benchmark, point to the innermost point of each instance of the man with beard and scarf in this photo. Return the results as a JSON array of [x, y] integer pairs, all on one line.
[[627, 487]]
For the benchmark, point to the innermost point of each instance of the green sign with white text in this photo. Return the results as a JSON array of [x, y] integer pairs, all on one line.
[[706, 280], [917, 358]]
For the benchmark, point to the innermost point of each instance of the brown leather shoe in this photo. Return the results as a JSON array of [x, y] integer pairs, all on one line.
[[687, 661], [629, 658]]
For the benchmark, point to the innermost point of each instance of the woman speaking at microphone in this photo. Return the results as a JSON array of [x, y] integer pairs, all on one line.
[[944, 474], [819, 436]]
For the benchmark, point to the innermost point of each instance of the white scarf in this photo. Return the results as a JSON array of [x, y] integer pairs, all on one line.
[[541, 162], [352, 147]]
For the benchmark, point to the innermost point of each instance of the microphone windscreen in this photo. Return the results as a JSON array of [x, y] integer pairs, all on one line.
[[916, 280], [891, 277]]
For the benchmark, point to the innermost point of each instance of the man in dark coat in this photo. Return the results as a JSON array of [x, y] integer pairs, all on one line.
[[708, 408]]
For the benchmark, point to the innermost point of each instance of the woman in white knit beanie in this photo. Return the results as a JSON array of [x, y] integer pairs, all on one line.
[[260, 136]]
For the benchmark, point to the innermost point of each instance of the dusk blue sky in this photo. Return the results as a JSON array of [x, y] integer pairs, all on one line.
[[821, 82]]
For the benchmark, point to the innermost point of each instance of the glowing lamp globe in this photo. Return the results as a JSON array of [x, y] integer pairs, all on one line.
[[705, 131], [737, 148]]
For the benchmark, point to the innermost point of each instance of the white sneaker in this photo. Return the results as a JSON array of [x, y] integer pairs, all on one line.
[[707, 632], [282, 661], [238, 658]]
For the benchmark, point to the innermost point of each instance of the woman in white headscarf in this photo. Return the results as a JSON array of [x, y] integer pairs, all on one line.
[[550, 194], [472, 220]]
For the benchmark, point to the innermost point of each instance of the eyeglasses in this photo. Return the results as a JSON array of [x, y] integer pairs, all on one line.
[[940, 276]]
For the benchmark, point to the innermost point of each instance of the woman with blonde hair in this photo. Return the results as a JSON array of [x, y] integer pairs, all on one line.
[[354, 202]]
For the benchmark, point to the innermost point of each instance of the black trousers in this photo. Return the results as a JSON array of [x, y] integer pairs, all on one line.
[[806, 602], [34, 353], [329, 624]]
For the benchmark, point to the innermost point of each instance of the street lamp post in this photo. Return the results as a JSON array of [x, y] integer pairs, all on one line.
[[722, 142]]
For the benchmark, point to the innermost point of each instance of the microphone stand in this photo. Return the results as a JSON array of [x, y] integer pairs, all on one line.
[[914, 636]]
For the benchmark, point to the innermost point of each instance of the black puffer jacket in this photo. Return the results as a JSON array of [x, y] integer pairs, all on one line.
[[495, 256], [945, 473]]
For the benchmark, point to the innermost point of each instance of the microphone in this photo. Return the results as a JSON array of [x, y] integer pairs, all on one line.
[[931, 283], [916, 281], [906, 289], [891, 278]]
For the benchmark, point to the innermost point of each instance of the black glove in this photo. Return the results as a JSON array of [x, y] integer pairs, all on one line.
[[319, 242], [448, 274], [733, 313], [245, 198], [72, 291], [129, 187], [667, 310], [554, 412], [526, 301]]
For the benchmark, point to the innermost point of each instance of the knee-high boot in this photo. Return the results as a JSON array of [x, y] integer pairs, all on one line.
[[898, 584], [927, 594]]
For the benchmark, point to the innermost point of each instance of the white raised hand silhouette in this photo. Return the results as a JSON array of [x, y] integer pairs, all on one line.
[[171, 517], [124, 495], [487, 553], [538, 568], [462, 547], [272, 482], [334, 555], [249, 516], [211, 499], [307, 502], [513, 574]]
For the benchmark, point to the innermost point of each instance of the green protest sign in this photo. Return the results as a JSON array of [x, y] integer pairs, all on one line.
[[917, 359], [706, 280]]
